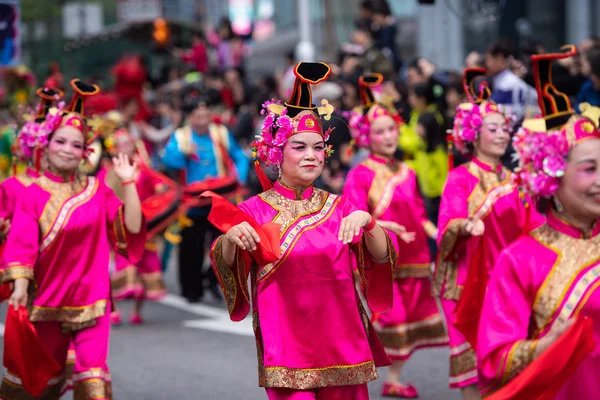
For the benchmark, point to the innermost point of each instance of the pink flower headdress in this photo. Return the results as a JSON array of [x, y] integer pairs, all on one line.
[[469, 116], [542, 144], [298, 115], [32, 138], [361, 118]]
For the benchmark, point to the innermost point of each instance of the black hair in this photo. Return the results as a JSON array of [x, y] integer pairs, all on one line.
[[593, 57], [425, 91], [434, 132], [414, 63], [503, 47], [365, 25], [367, 5]]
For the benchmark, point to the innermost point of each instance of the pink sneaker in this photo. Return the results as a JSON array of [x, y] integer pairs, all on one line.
[[115, 318], [136, 319], [399, 391]]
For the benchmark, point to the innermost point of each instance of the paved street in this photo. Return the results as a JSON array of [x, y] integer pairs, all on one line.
[[195, 352]]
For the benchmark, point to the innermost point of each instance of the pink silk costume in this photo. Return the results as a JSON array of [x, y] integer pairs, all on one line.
[[60, 239], [10, 190], [473, 189], [542, 280], [143, 279], [310, 327], [388, 190]]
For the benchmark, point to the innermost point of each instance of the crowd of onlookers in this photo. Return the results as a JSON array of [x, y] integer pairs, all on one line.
[[213, 68]]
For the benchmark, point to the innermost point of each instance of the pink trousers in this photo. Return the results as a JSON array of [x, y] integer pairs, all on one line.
[[352, 392], [463, 362], [82, 353]]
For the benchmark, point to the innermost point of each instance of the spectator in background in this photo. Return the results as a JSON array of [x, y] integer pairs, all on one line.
[[507, 88], [590, 91], [474, 60], [373, 59], [202, 150], [421, 70], [366, 9], [421, 100], [231, 51], [385, 27], [197, 56], [337, 166], [431, 164]]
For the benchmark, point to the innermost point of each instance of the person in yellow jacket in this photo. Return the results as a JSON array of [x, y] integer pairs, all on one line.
[[431, 165], [421, 100]]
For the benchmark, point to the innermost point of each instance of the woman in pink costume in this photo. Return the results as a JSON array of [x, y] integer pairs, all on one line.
[[480, 206], [313, 337], [388, 190], [547, 278], [58, 250], [29, 147], [141, 281]]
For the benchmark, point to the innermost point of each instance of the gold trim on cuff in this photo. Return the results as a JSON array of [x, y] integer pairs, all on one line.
[[310, 378], [9, 390], [413, 271], [95, 388], [462, 363], [519, 357], [71, 318], [17, 271]]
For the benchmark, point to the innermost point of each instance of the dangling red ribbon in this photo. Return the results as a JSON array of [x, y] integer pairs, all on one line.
[[546, 375], [224, 215], [24, 355]]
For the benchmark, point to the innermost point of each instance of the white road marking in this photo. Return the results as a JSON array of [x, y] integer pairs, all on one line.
[[1, 329], [216, 319]]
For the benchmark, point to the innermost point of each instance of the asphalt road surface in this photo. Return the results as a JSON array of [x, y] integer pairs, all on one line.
[[185, 351]]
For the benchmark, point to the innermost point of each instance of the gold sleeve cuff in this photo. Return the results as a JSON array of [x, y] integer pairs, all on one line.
[[519, 357], [225, 274], [450, 237], [17, 271]]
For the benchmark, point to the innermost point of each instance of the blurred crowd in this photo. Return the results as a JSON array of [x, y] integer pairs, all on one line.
[[213, 72]]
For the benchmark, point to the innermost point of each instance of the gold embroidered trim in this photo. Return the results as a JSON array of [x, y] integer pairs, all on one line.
[[9, 390], [16, 271], [65, 197], [488, 180], [450, 237], [71, 318], [387, 178], [413, 271], [573, 256], [403, 339], [463, 363], [120, 233], [289, 211], [294, 232], [519, 357], [225, 275], [123, 280], [310, 378], [153, 283], [25, 179], [95, 388]]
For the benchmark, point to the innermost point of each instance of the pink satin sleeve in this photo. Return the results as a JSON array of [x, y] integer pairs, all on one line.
[[356, 187], [454, 210], [127, 244], [23, 242], [377, 279], [503, 350], [234, 279]]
